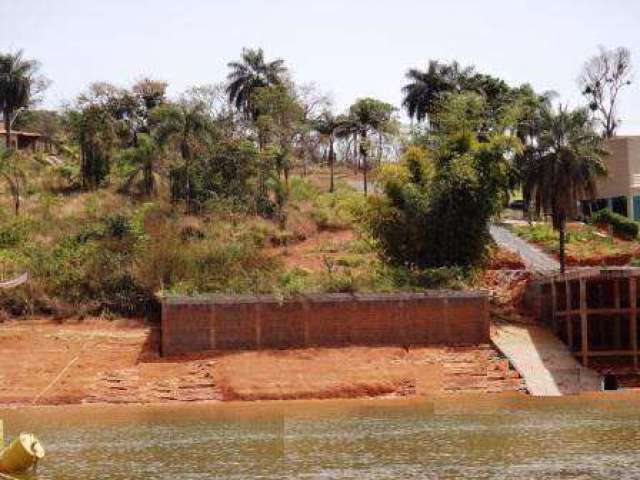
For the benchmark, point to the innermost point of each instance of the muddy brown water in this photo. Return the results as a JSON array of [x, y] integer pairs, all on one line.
[[484, 437]]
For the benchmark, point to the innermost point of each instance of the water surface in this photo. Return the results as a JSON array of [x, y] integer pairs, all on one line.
[[488, 437]]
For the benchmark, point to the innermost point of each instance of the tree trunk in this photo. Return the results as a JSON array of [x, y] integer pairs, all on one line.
[[188, 185], [332, 161], [7, 129], [364, 173], [14, 188], [148, 178], [562, 232], [184, 150], [365, 164], [17, 203], [83, 168], [355, 153]]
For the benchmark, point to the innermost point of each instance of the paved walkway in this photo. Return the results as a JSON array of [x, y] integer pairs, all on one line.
[[545, 363], [534, 258]]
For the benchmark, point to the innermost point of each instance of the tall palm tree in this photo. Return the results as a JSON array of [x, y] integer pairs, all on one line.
[[185, 126], [249, 74], [422, 93], [567, 160], [328, 125], [367, 115], [17, 82]]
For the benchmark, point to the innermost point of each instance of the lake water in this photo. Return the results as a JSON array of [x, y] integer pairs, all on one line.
[[488, 437]]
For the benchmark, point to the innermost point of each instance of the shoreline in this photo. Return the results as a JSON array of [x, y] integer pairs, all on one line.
[[441, 401], [383, 398], [118, 362]]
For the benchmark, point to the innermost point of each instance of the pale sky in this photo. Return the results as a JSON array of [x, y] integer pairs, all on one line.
[[349, 49]]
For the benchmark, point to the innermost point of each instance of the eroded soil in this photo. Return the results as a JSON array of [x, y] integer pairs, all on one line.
[[43, 362]]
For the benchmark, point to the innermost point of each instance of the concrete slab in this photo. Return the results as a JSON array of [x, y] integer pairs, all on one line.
[[545, 363]]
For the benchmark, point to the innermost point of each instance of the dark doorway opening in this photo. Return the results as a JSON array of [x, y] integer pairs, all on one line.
[[610, 382]]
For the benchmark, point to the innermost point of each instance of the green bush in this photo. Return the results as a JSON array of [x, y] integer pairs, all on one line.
[[433, 222], [622, 226], [337, 211], [118, 226], [15, 232], [302, 189]]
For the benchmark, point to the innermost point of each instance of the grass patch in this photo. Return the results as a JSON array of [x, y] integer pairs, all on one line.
[[585, 244]]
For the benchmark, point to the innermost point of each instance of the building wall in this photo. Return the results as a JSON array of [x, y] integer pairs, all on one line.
[[255, 322], [620, 190], [25, 142], [618, 179]]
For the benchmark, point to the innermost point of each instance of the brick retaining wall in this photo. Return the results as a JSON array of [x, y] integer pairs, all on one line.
[[191, 324]]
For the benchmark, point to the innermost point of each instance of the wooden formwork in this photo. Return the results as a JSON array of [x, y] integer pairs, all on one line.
[[595, 311]]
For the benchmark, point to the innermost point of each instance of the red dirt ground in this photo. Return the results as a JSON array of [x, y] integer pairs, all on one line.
[[96, 360], [502, 259], [310, 253]]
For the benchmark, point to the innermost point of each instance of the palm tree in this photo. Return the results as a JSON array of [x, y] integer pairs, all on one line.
[[422, 93], [329, 126], [567, 158], [145, 157], [17, 82], [367, 115], [249, 74], [184, 126], [95, 132]]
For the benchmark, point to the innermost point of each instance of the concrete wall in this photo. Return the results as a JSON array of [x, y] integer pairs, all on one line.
[[618, 180], [623, 175], [192, 324]]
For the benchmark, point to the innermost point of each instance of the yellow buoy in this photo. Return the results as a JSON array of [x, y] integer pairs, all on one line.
[[21, 454]]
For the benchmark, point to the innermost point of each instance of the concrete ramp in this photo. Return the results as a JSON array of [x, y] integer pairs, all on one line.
[[545, 363]]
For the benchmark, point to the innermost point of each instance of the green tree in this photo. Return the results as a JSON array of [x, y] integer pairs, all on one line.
[[366, 116], [279, 123], [185, 128], [424, 92], [421, 94], [13, 171], [18, 84], [94, 131], [145, 158], [229, 169], [130, 108], [328, 126], [249, 74], [436, 209], [567, 160]]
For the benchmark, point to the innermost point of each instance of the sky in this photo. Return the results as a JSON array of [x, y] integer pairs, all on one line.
[[348, 49]]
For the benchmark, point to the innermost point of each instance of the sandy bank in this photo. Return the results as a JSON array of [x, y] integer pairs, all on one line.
[[99, 361]]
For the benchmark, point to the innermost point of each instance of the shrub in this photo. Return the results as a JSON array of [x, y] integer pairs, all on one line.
[[337, 211], [295, 281], [622, 226], [430, 223], [118, 226], [228, 260], [302, 189], [15, 232]]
